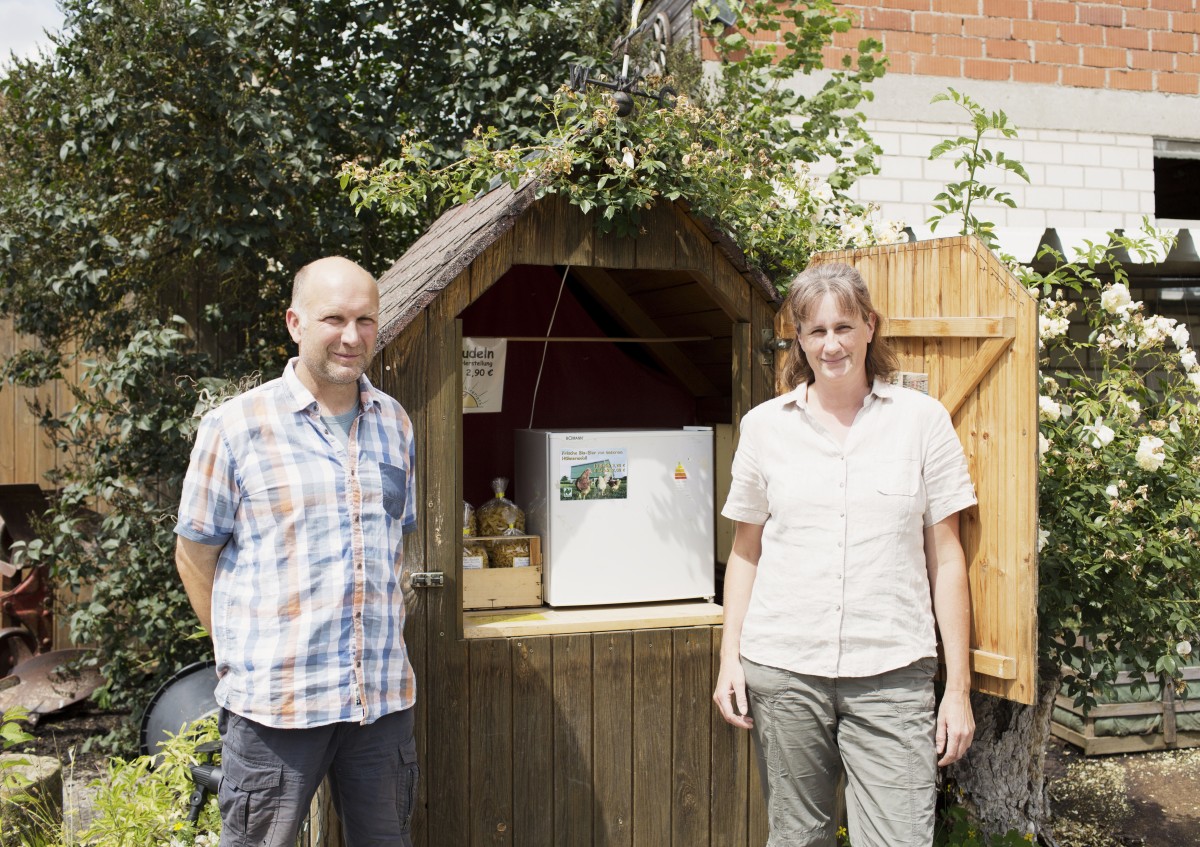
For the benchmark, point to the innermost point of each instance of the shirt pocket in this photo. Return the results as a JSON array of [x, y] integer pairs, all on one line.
[[395, 490], [897, 482], [897, 478]]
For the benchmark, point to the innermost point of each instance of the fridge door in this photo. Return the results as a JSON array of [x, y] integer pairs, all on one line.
[[626, 516]]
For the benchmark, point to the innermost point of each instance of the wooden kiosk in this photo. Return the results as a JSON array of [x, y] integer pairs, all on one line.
[[547, 727]]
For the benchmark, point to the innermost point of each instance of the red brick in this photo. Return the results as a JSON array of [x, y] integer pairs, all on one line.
[[1056, 54], [901, 63], [1035, 31], [1101, 15], [1018, 50], [1133, 39], [1006, 8], [937, 66], [952, 45], [910, 5], [1173, 42], [1044, 74], [1083, 77], [1185, 23], [986, 69], [988, 27], [1178, 83], [908, 42], [1044, 11], [1147, 19], [938, 24], [887, 19], [1136, 4], [1131, 80], [1081, 34], [1105, 57], [956, 7], [1145, 60], [1173, 5], [1187, 64]]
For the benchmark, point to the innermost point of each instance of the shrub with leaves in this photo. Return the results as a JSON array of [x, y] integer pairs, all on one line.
[[1120, 473], [737, 151], [166, 170]]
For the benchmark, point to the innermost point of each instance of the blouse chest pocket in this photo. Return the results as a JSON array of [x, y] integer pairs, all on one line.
[[896, 483], [395, 489], [897, 477]]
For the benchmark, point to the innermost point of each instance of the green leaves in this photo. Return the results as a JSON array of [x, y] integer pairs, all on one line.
[[733, 153], [959, 199]]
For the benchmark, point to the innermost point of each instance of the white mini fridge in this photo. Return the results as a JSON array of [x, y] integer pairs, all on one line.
[[625, 516]]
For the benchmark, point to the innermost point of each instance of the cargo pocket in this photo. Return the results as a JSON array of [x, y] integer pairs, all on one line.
[[395, 489], [249, 799], [406, 784]]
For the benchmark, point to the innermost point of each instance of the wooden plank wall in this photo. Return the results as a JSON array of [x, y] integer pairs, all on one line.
[[585, 739], [582, 739], [25, 453]]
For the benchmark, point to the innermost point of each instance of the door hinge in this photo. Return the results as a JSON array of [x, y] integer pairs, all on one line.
[[428, 579]]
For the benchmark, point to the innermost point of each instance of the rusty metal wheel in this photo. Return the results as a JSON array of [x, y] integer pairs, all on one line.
[[16, 645]]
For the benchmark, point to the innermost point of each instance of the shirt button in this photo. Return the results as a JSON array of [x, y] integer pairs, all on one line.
[[841, 485], [839, 544], [837, 608]]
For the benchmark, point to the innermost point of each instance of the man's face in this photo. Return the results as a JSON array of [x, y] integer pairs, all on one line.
[[335, 324]]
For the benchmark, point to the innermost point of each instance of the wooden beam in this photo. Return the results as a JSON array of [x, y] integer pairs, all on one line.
[[998, 327], [631, 316], [989, 352]]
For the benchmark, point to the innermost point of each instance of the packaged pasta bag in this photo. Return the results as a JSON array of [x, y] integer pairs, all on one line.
[[511, 554], [475, 555], [499, 514]]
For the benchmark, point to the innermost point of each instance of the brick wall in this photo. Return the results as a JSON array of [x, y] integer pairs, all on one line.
[[1136, 45], [1133, 45]]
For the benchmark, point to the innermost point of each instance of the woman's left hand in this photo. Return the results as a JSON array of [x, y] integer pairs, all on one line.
[[955, 727]]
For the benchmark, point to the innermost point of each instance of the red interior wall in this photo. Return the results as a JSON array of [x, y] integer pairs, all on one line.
[[582, 385]]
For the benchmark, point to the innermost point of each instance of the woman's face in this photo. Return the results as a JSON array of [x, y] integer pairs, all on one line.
[[835, 342]]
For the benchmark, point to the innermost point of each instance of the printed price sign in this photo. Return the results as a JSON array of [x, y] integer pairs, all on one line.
[[483, 374]]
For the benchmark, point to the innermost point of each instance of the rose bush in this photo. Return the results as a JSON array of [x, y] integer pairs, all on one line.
[[1119, 510]]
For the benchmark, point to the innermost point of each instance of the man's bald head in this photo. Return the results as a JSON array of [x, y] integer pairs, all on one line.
[[330, 269]]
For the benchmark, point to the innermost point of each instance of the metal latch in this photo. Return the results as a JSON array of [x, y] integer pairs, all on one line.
[[428, 579], [770, 345]]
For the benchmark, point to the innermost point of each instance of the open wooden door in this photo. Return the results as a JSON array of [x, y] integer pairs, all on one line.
[[957, 315]]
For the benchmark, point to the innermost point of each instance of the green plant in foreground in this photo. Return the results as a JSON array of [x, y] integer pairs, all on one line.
[[143, 801]]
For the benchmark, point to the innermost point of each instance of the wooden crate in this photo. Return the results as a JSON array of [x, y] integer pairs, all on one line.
[[1099, 735], [505, 588]]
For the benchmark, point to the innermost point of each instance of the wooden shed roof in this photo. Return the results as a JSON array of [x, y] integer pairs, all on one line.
[[464, 232]]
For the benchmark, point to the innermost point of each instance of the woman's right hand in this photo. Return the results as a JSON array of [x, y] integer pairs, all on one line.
[[730, 693]]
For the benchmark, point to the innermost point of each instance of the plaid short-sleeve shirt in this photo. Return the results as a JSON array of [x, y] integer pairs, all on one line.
[[307, 607]]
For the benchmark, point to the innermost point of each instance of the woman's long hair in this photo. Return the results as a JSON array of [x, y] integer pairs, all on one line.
[[848, 289]]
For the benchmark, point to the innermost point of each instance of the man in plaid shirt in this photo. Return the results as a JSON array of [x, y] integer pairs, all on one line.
[[290, 546]]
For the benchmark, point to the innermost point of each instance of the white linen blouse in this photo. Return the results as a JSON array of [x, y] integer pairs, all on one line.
[[841, 587]]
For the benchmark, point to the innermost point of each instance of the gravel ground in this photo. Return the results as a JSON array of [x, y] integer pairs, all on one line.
[[1133, 800]]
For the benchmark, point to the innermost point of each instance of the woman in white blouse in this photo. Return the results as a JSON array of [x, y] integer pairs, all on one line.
[[846, 494]]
